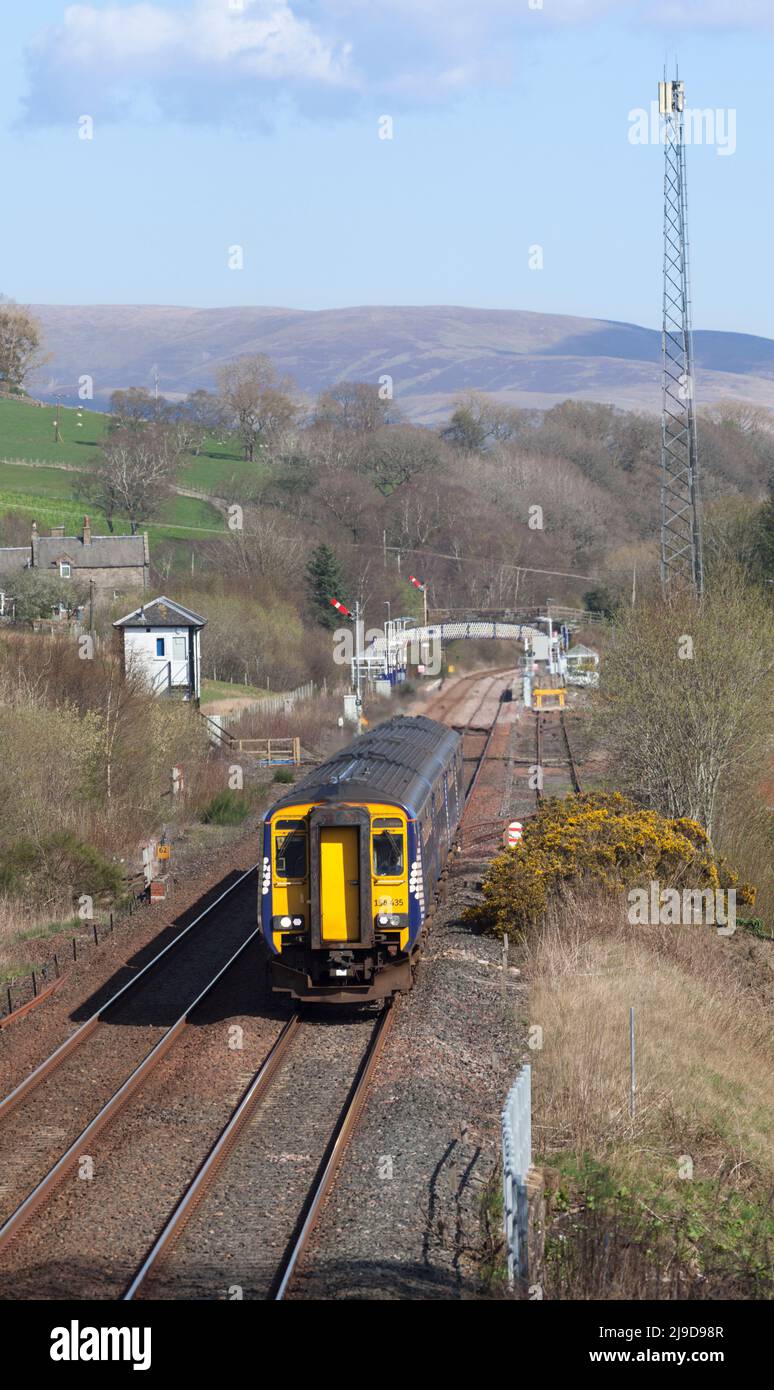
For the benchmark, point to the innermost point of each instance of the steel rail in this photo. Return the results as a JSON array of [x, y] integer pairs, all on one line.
[[451, 697], [539, 758], [218, 1153], [80, 1036], [58, 1171], [333, 1154], [228, 1137], [570, 758]]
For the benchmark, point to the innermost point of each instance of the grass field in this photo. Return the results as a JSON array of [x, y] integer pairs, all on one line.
[[52, 496], [227, 690], [54, 493], [27, 432]]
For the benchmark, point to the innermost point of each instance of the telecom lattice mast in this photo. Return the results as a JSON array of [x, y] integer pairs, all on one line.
[[681, 557]]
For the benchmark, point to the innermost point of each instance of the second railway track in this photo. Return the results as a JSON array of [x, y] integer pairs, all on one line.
[[246, 1219]]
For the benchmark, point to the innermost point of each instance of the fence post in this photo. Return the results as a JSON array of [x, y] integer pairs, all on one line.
[[34, 986]]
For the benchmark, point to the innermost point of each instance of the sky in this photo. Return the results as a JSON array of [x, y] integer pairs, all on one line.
[[258, 124]]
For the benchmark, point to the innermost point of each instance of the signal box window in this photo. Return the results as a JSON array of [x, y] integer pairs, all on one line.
[[290, 850], [388, 854]]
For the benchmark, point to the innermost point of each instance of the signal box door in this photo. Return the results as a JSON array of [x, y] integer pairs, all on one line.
[[339, 883]]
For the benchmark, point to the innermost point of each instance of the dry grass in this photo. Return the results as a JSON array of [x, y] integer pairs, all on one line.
[[21, 931], [705, 1089]]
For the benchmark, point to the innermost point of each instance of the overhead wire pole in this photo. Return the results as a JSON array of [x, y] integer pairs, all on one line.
[[681, 549]]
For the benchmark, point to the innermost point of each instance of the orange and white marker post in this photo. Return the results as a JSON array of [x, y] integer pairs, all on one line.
[[513, 834]]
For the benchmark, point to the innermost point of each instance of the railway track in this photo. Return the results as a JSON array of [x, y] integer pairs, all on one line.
[[554, 755], [287, 1228], [462, 708], [59, 1170], [121, 996], [53, 1114], [448, 700]]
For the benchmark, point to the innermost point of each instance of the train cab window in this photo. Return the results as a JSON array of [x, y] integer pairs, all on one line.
[[290, 849], [388, 849]]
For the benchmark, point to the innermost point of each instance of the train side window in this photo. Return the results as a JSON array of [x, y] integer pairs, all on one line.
[[290, 850], [388, 854]]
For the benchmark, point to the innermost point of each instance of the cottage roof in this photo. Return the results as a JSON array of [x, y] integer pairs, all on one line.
[[13, 558], [161, 612], [101, 552]]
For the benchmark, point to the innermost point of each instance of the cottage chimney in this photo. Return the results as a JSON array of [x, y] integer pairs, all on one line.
[[57, 531], [86, 531], [34, 530]]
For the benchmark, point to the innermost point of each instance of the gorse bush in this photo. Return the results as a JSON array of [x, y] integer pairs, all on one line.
[[601, 838]]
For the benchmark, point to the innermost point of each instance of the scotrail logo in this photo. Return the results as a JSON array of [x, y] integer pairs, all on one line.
[[668, 907], [76, 1343]]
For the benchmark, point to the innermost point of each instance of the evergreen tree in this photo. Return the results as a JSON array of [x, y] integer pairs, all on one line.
[[326, 581]]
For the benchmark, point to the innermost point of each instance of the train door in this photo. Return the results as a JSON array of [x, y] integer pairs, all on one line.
[[339, 883]]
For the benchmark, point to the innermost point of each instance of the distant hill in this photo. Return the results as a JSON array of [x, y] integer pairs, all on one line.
[[431, 352]]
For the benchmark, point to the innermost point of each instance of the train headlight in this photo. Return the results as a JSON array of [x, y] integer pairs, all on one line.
[[285, 922], [298, 921], [384, 921], [394, 921]]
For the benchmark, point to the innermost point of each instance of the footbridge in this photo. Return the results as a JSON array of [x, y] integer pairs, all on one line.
[[389, 651]]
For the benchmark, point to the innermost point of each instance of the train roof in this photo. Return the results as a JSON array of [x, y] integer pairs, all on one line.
[[398, 762]]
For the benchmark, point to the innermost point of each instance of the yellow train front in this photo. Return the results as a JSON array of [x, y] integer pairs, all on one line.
[[351, 859]]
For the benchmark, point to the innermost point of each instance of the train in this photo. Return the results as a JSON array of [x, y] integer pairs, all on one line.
[[351, 861]]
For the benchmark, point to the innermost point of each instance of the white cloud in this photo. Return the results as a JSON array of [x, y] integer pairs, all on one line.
[[205, 61], [108, 61]]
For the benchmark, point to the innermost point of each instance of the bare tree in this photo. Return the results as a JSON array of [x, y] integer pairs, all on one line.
[[686, 695], [258, 401], [357, 406], [258, 551], [136, 406], [392, 457], [134, 474]]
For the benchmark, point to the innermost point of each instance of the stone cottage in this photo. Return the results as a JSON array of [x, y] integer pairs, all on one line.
[[115, 565]]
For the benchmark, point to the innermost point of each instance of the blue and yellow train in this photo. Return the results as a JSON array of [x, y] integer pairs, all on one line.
[[351, 859]]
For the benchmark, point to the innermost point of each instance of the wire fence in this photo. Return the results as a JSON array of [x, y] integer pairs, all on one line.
[[24, 989], [516, 1122]]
